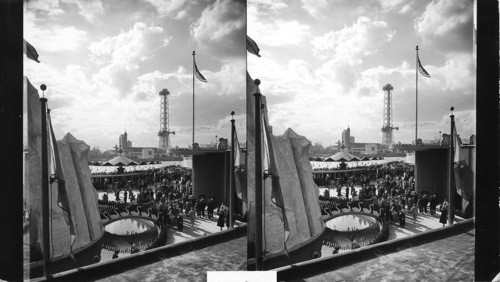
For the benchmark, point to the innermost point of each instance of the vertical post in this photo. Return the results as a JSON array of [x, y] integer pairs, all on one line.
[[231, 174], [193, 98], [45, 193], [451, 188], [416, 97], [258, 179]]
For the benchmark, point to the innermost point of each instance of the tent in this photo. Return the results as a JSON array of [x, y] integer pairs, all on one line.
[[120, 160], [343, 156]]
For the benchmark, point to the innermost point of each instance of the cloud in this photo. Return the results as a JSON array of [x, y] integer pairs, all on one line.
[[219, 20], [314, 7], [122, 54], [55, 38], [274, 5], [446, 25], [166, 8], [352, 43], [89, 9], [44, 7], [284, 32]]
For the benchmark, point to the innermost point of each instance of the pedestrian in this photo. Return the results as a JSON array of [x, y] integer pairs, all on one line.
[[220, 220], [180, 222], [444, 213], [125, 196], [414, 212], [191, 216], [115, 255], [402, 219]]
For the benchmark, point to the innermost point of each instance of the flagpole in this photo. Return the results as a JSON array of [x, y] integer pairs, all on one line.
[[193, 98], [45, 190], [416, 96], [258, 179], [231, 175], [451, 191]]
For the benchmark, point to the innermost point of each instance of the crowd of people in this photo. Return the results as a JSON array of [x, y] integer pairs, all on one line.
[[390, 188], [167, 194]]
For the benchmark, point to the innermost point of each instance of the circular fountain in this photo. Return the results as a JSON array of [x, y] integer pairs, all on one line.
[[353, 229], [122, 233]]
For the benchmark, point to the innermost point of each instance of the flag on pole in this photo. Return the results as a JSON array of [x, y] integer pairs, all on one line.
[[30, 51], [252, 47], [56, 175], [239, 170], [421, 69], [458, 146], [271, 170], [198, 75]]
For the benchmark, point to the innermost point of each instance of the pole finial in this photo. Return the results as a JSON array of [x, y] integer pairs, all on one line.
[[194, 53], [416, 48], [43, 87]]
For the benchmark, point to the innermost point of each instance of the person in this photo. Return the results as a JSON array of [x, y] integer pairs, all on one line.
[[180, 222], [414, 212], [316, 255], [191, 216], [115, 255], [220, 213], [347, 192], [210, 206], [444, 213], [402, 219], [117, 195], [125, 196], [433, 204]]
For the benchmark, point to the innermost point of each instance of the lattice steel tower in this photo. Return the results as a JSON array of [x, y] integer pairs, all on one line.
[[165, 132], [387, 137]]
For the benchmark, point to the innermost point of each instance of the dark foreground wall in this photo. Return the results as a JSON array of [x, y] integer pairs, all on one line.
[[208, 176], [431, 171]]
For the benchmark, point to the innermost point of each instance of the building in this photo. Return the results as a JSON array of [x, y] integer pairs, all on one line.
[[346, 138], [122, 141]]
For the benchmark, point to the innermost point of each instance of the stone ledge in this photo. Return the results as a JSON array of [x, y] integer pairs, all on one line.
[[321, 265], [119, 265]]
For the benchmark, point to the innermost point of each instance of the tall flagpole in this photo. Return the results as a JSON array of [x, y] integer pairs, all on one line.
[[258, 179], [451, 188], [231, 174], [193, 98], [416, 96], [45, 190]]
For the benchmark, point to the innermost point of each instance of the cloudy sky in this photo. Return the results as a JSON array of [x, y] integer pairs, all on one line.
[[104, 63], [324, 64]]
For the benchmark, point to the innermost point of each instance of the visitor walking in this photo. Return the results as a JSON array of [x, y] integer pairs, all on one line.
[[414, 212], [191, 216], [444, 213]]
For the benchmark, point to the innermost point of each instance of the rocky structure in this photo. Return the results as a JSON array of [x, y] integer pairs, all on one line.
[[300, 193], [81, 193]]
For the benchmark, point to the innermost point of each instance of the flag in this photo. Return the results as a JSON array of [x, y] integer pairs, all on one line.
[[239, 169], [421, 69], [30, 51], [56, 175], [198, 74], [252, 47], [458, 146], [271, 170]]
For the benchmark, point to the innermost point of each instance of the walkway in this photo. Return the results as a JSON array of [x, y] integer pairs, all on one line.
[[191, 266], [448, 259]]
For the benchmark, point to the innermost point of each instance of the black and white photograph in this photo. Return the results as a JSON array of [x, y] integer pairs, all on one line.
[[249, 140], [362, 117], [143, 99]]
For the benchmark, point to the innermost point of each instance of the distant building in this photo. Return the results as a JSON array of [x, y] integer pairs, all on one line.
[[346, 137], [122, 141], [129, 144], [148, 153]]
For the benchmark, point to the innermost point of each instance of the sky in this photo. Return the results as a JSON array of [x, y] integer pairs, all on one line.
[[324, 64], [104, 63]]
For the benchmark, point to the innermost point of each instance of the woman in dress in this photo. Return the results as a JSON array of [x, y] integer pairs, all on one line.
[[221, 214], [444, 213], [414, 212]]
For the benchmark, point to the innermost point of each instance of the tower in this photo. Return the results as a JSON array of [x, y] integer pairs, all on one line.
[[164, 132], [387, 138]]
